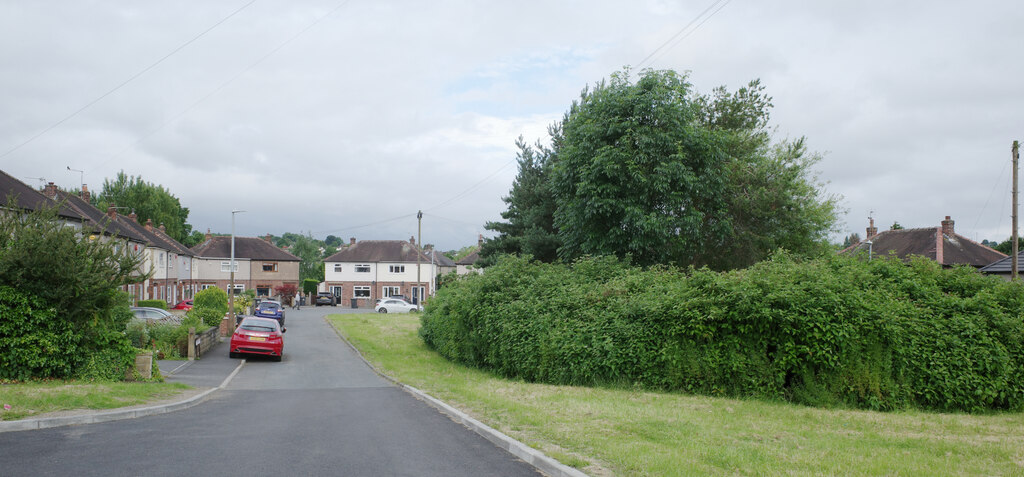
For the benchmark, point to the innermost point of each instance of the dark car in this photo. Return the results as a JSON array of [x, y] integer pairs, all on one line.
[[325, 298], [270, 309], [260, 336]]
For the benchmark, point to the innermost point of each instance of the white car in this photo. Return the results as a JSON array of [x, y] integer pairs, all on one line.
[[395, 305]]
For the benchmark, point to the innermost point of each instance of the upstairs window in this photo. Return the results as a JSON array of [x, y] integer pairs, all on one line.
[[226, 266], [337, 268], [396, 268], [362, 269], [270, 266]]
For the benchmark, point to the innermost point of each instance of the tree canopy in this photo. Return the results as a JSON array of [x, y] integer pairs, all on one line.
[[148, 201], [656, 172]]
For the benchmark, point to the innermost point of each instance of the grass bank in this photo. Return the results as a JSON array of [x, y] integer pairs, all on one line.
[[34, 398], [625, 432]]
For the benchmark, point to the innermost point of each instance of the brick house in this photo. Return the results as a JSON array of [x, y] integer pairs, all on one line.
[[364, 271], [941, 244], [259, 265]]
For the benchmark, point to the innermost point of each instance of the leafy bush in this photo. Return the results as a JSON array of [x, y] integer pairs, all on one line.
[[834, 331], [63, 309], [207, 316], [154, 304], [33, 343], [211, 298]]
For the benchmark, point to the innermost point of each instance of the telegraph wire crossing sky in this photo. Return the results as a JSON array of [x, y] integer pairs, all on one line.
[[321, 116]]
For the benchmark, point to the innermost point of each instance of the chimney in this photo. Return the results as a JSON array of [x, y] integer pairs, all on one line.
[[947, 226], [269, 239], [112, 211], [135, 218], [149, 225], [412, 240], [50, 190], [872, 230], [86, 196], [208, 235], [162, 229], [352, 241], [480, 240]]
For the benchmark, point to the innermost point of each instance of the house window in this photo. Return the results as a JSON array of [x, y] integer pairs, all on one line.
[[396, 269], [239, 288], [361, 292], [226, 266], [337, 268], [270, 267], [161, 259], [391, 291], [363, 269], [170, 261]]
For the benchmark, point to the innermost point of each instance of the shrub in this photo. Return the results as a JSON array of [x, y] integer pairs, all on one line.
[[33, 342], [834, 331], [154, 304], [211, 298], [207, 316]]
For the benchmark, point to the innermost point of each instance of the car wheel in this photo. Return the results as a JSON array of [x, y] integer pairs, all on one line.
[[382, 310], [233, 355], [277, 359]]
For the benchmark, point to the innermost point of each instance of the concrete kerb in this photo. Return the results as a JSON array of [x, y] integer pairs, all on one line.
[[115, 415], [531, 456]]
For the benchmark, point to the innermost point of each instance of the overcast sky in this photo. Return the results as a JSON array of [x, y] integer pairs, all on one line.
[[345, 118]]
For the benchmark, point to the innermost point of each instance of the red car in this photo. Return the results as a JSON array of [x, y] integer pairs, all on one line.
[[261, 336], [183, 305]]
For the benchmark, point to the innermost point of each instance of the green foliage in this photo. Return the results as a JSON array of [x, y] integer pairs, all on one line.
[[530, 227], [154, 304], [653, 171], [149, 201], [833, 331], [1006, 246], [307, 249], [209, 306], [33, 343], [54, 272], [309, 286]]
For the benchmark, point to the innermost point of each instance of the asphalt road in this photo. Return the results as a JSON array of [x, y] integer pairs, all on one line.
[[321, 411]]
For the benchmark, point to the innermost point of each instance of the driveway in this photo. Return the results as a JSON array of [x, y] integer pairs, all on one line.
[[320, 411]]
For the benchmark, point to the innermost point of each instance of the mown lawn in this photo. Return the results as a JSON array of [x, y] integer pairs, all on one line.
[[629, 432], [31, 399]]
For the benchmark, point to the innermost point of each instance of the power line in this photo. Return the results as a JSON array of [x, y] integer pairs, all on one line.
[[125, 82], [674, 41], [471, 188], [225, 84], [393, 219]]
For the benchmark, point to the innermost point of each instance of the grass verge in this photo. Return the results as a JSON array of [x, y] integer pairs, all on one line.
[[628, 432], [35, 398]]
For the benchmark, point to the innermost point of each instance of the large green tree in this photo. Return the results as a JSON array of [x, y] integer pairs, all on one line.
[[308, 250], [149, 201], [654, 171], [529, 227]]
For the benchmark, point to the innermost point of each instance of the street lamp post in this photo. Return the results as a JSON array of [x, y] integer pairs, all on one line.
[[231, 282]]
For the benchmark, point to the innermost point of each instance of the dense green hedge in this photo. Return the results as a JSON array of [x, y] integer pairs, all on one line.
[[154, 304], [835, 331]]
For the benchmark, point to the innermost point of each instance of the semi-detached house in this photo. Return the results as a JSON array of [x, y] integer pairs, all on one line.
[[364, 271], [259, 265]]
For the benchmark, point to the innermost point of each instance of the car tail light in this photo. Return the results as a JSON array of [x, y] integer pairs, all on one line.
[[275, 335]]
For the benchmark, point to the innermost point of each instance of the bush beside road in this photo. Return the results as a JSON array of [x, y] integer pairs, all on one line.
[[630, 432]]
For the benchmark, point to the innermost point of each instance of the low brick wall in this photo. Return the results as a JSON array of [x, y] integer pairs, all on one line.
[[208, 339]]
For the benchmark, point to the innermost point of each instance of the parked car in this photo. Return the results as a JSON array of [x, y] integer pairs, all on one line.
[[397, 297], [325, 298], [183, 305], [258, 336], [395, 305], [154, 315], [270, 309]]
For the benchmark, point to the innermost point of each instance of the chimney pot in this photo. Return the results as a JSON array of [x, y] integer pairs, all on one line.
[[269, 239], [112, 211], [872, 230], [149, 224], [50, 190], [480, 240], [135, 218], [947, 226], [162, 229], [352, 241], [208, 234], [85, 193]]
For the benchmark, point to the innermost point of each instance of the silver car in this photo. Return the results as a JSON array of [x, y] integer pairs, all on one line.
[[154, 315]]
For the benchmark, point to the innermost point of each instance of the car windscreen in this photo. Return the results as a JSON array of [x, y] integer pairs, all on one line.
[[269, 306], [257, 327]]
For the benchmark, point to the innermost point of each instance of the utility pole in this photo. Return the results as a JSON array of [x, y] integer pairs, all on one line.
[[419, 240], [1013, 237]]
